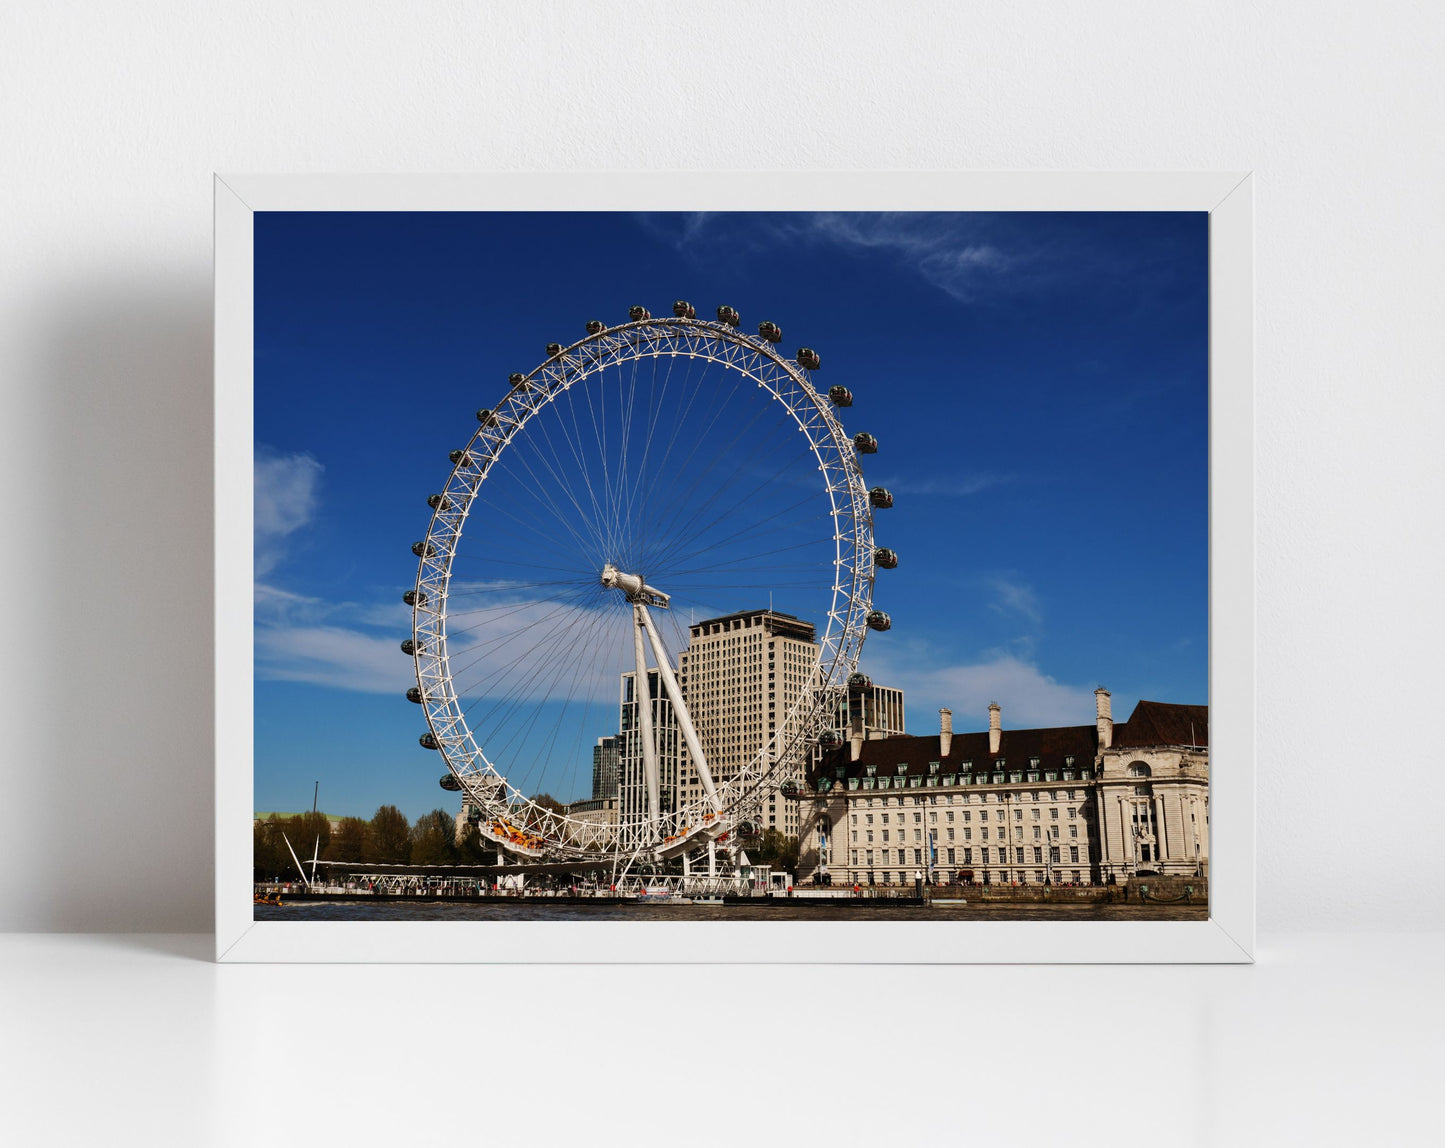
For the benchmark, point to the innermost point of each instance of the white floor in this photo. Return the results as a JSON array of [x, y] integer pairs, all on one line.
[[1329, 1039]]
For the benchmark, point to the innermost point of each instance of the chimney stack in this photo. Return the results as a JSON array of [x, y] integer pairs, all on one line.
[[1104, 717], [995, 727], [855, 745], [945, 731]]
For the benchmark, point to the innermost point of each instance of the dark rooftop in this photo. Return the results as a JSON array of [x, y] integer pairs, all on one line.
[[1151, 723], [1164, 723], [775, 622]]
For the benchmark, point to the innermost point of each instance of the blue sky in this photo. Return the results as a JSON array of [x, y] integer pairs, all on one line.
[[1037, 384]]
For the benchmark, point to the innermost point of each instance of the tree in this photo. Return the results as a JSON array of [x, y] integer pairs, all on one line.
[[434, 839], [269, 859], [543, 801], [305, 830], [776, 850], [348, 843], [388, 838], [472, 850]]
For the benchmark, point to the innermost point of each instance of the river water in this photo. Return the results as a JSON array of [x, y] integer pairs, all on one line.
[[835, 911]]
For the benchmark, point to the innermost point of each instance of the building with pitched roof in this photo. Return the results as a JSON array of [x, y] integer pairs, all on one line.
[[1074, 804]]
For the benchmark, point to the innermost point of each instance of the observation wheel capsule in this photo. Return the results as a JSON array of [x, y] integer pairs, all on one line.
[[414, 597], [450, 783], [840, 396], [487, 417], [414, 695], [684, 310], [595, 326], [809, 359], [878, 620], [771, 332], [885, 559], [638, 314], [880, 498], [865, 443], [729, 316], [428, 741]]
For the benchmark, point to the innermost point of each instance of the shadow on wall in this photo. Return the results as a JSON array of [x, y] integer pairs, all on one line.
[[118, 824]]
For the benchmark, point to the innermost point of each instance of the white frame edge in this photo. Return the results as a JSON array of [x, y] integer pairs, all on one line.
[[1229, 934]]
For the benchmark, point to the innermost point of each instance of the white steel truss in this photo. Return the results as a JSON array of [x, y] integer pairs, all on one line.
[[509, 818]]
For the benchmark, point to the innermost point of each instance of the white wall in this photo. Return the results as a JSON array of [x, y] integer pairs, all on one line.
[[113, 116]]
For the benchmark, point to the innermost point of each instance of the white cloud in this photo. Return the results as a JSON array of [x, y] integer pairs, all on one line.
[[1030, 698], [956, 486], [285, 501], [1014, 598]]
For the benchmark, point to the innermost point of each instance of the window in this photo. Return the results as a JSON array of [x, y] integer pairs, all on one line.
[[918, 835], [950, 816], [1074, 856], [998, 814], [885, 835], [1033, 763], [1019, 814], [1037, 814], [1139, 769], [950, 834], [1054, 854], [870, 837], [968, 834], [984, 835], [1073, 831], [1038, 855], [1019, 855], [1073, 813], [968, 815], [885, 819], [1036, 833], [1053, 814], [855, 837], [968, 856], [870, 857], [917, 857], [933, 818], [950, 857]]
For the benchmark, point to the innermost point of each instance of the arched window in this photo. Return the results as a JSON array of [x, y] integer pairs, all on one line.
[[1139, 769]]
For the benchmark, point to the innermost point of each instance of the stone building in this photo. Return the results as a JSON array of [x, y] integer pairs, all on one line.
[[1073, 804], [631, 779], [604, 767], [740, 675]]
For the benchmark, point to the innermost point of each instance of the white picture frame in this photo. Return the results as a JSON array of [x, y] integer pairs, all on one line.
[[1229, 933]]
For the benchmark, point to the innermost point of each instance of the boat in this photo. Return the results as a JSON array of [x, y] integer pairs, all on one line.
[[268, 899], [660, 895]]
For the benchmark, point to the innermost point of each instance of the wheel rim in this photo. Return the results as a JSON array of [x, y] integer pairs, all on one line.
[[586, 503]]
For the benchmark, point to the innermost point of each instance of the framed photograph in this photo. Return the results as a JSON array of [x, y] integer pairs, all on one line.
[[810, 567]]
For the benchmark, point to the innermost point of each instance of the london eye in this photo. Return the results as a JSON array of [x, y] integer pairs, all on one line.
[[643, 478]]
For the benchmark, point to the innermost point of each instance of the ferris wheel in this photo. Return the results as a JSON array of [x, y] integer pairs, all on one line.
[[644, 479]]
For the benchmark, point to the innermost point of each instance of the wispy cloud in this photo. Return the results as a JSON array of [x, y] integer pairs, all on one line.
[[951, 486], [959, 253], [949, 250], [287, 487], [1030, 697], [1014, 597]]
